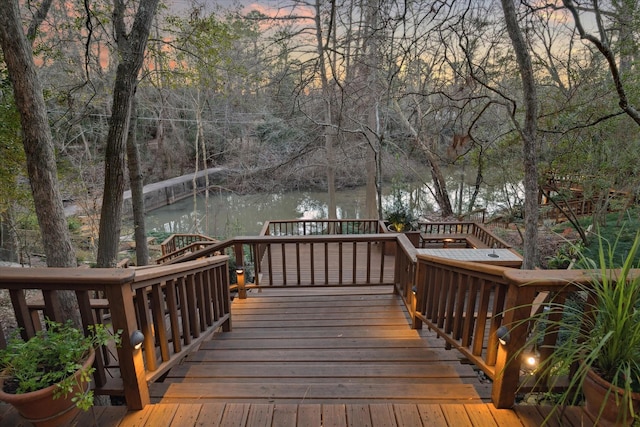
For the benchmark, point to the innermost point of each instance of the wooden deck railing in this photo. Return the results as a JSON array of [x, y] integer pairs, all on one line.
[[304, 227], [457, 229], [191, 247], [567, 208], [176, 307], [180, 303], [332, 260], [466, 303], [405, 271], [179, 241]]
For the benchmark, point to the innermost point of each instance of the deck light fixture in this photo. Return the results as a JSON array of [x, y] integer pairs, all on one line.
[[531, 360], [137, 338], [503, 335], [242, 292]]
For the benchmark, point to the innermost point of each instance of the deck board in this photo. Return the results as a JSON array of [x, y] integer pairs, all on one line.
[[337, 372], [352, 348], [314, 415]]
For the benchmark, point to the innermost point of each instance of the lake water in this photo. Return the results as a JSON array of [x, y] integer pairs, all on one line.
[[231, 214]]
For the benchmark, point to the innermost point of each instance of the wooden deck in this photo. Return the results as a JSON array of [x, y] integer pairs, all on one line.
[[315, 415], [286, 347], [326, 358]]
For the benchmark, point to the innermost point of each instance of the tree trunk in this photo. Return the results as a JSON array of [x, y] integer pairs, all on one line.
[[9, 243], [38, 147], [528, 133], [439, 191], [439, 183], [114, 181], [137, 197], [329, 131], [131, 49], [371, 197]]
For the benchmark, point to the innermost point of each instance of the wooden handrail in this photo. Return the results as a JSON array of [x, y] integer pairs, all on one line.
[[176, 307], [178, 241], [405, 271], [256, 254], [462, 228], [465, 303], [307, 227], [191, 247], [178, 304]]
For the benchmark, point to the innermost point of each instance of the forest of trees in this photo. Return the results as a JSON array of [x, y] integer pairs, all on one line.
[[97, 97]]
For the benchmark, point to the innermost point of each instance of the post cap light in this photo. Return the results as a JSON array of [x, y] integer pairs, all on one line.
[[137, 338], [503, 335]]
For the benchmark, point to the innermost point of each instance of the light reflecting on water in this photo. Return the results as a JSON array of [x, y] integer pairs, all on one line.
[[231, 214]]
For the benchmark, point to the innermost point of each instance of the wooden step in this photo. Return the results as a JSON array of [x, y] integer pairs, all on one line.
[[312, 392], [344, 348]]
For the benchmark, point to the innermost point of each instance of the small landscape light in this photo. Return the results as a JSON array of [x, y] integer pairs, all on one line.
[[531, 361], [503, 335], [242, 291], [137, 338]]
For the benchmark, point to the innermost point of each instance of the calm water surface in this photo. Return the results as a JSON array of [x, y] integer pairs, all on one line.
[[231, 214]]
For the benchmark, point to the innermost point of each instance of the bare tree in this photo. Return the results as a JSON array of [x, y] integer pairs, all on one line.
[[603, 44], [131, 47], [38, 147], [137, 196], [528, 134]]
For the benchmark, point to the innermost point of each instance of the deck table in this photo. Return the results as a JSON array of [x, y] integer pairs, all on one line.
[[503, 257]]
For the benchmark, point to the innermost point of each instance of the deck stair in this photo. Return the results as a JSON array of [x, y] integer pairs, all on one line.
[[331, 345]]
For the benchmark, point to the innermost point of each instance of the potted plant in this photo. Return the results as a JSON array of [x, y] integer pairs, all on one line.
[[398, 215], [599, 344], [47, 377]]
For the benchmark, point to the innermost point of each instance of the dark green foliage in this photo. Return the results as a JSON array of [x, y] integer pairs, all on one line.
[[608, 342], [52, 357]]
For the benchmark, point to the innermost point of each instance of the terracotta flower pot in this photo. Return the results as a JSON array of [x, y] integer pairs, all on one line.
[[40, 408], [609, 412]]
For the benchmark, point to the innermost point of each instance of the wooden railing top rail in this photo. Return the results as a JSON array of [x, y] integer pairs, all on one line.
[[178, 241], [147, 275], [191, 247], [262, 240], [461, 228], [559, 278], [493, 270], [408, 248], [63, 278], [317, 226]]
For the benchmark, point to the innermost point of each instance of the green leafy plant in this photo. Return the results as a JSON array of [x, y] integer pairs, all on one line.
[[599, 333], [398, 214], [51, 357]]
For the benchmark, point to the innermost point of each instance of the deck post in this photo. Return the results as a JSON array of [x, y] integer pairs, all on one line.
[[507, 368], [132, 370], [239, 254], [419, 295]]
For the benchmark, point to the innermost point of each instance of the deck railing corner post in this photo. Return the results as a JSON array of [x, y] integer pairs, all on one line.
[[507, 367], [132, 370]]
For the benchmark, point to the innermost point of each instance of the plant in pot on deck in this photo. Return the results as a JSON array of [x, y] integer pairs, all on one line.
[[398, 215], [601, 351], [46, 378]]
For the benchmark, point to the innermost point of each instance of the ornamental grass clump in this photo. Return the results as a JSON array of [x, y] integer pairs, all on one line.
[[601, 333]]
